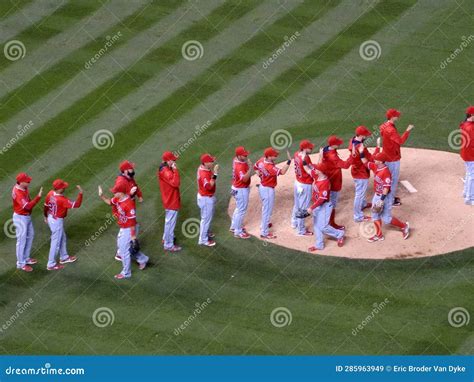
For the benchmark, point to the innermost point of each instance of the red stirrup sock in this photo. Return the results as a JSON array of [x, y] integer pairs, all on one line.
[[397, 223], [378, 227]]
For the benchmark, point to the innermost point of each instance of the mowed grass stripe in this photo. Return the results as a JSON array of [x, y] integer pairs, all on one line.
[[17, 15], [57, 47], [314, 64], [20, 103], [111, 92]]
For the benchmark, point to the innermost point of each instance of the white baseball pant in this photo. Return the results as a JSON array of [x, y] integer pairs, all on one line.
[[58, 240], [394, 168], [207, 205], [171, 217], [241, 196], [267, 196], [468, 192], [360, 201], [321, 217], [123, 243], [24, 238], [302, 200]]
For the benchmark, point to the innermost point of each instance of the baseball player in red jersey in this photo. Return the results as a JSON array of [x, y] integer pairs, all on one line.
[[334, 165], [382, 185], [321, 207], [360, 173], [467, 155], [206, 199], [22, 207], [302, 187], [268, 173], [391, 147], [56, 206], [169, 181], [127, 178], [123, 208], [241, 171]]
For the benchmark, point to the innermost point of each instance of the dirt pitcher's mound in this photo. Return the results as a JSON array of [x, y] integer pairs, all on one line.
[[439, 219]]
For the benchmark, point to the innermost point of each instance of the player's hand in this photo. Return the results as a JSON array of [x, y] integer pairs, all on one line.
[[133, 190], [80, 189], [379, 142], [288, 154], [101, 192], [310, 210], [173, 165], [321, 150], [410, 127], [140, 199], [40, 193], [216, 169], [45, 219]]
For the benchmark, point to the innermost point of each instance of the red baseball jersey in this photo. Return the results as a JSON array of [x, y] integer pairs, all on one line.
[[129, 183], [57, 204], [467, 141], [301, 175], [124, 212], [268, 172], [22, 204], [169, 181], [239, 169], [392, 141], [358, 169], [204, 177], [321, 190], [334, 163], [382, 177]]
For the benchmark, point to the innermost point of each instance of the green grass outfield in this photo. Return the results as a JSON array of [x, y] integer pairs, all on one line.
[[150, 98]]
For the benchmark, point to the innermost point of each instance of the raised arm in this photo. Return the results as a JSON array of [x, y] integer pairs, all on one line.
[[102, 196]]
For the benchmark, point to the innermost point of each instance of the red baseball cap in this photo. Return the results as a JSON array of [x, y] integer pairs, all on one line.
[[126, 165], [240, 151], [382, 157], [305, 144], [206, 158], [168, 155], [362, 130], [59, 184], [23, 177], [119, 187], [335, 141], [470, 110], [270, 152], [392, 113]]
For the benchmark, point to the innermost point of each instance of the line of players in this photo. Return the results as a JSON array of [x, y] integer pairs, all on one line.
[[316, 189]]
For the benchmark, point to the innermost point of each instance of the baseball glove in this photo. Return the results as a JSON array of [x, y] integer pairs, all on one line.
[[302, 213], [134, 247], [378, 206]]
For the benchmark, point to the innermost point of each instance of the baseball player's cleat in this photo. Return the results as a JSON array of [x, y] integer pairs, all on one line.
[[120, 277], [406, 231], [70, 259], [174, 248], [269, 236], [314, 249], [26, 268], [340, 241], [375, 238], [56, 267], [306, 233], [243, 235], [368, 205], [118, 257], [31, 261], [142, 266], [397, 202], [210, 243], [233, 230]]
